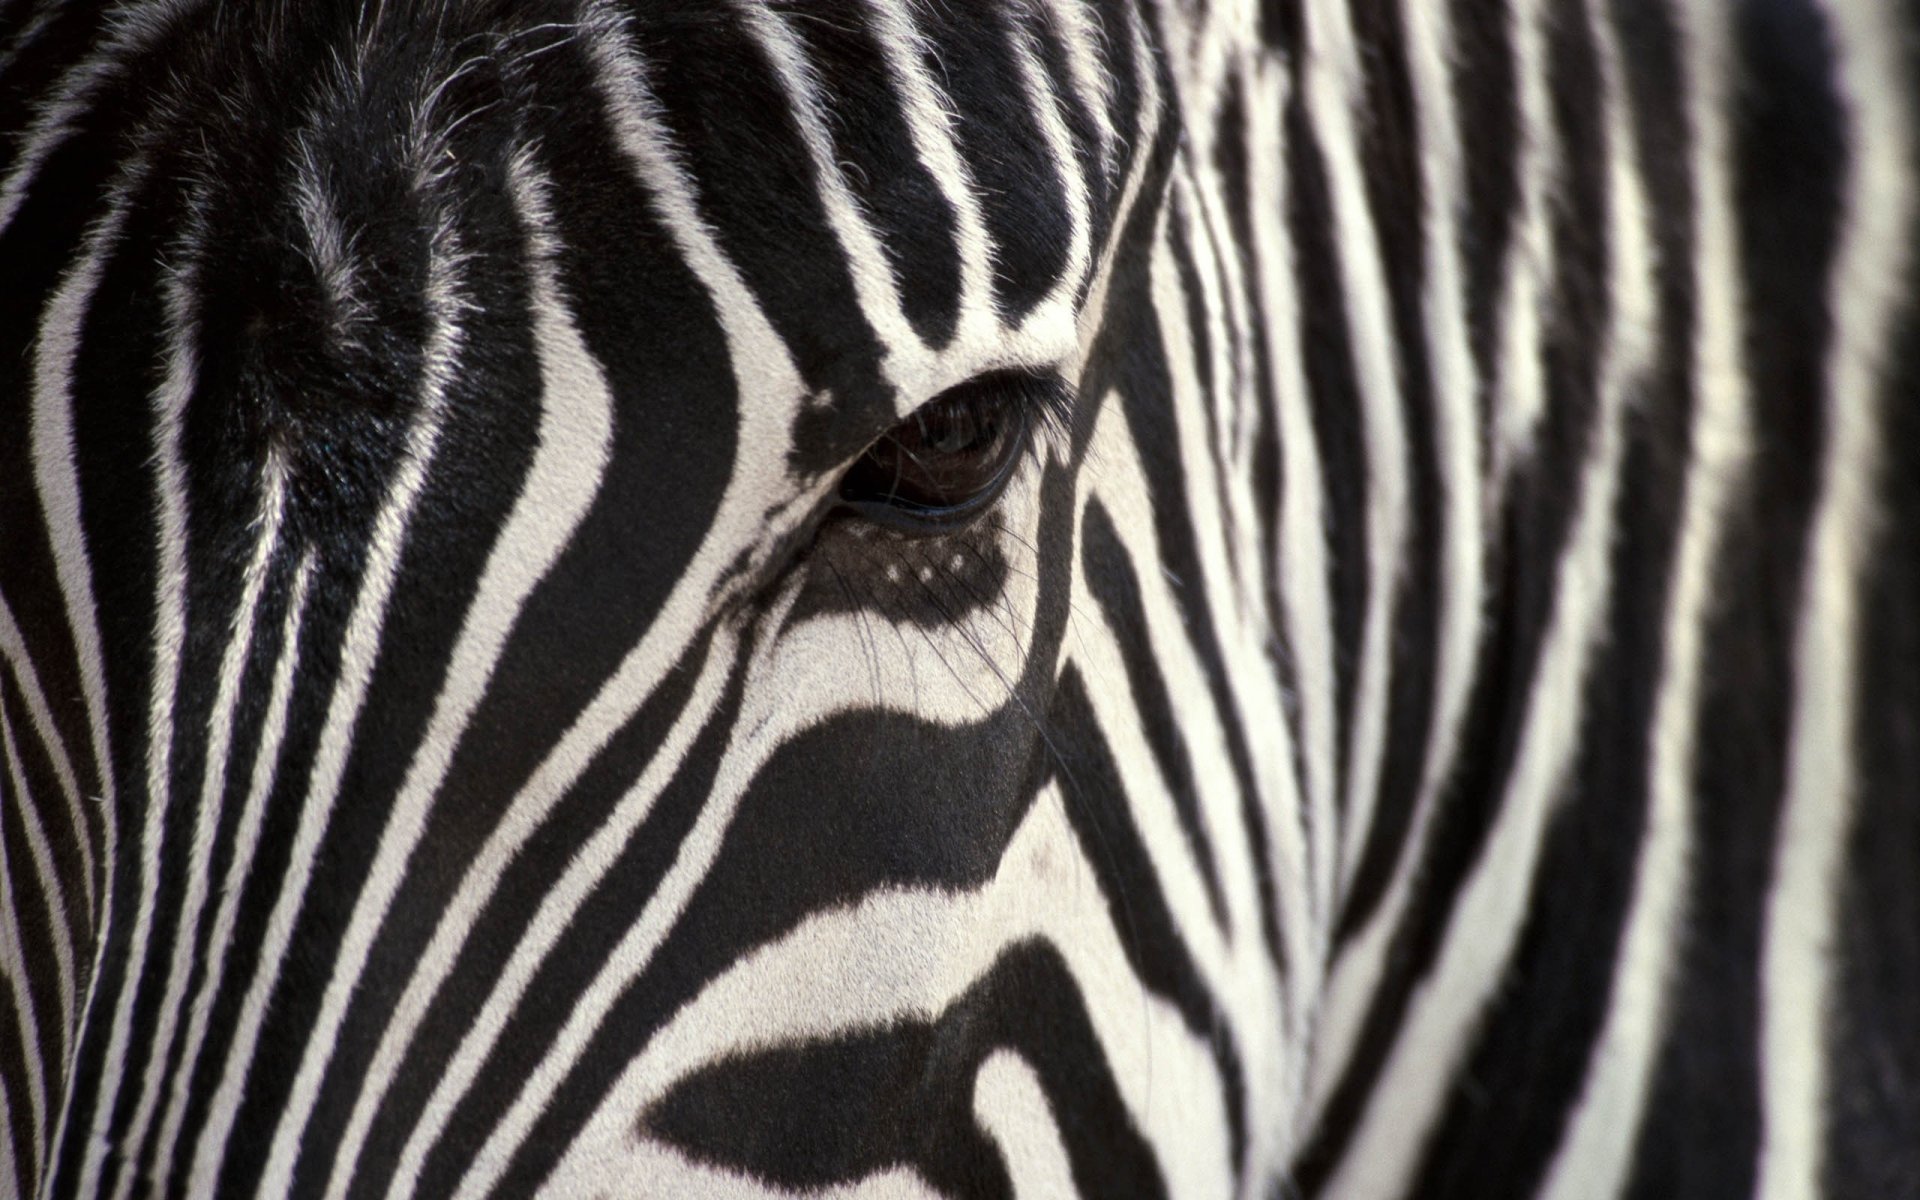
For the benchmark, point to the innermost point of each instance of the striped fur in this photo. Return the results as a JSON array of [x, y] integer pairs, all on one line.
[[1433, 713]]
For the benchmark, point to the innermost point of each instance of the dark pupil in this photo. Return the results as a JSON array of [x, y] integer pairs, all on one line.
[[951, 452]]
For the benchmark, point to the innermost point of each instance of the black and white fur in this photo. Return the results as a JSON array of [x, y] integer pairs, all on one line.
[[1432, 714]]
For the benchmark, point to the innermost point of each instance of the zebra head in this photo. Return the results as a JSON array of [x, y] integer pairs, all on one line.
[[669, 593], [919, 597]]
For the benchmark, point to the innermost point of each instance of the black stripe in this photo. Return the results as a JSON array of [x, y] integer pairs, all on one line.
[[1789, 147], [36, 768], [1535, 527], [1874, 1053], [871, 142], [1110, 577], [1486, 100], [1390, 161], [1015, 176], [35, 922], [497, 930], [819, 1113], [732, 122], [14, 1081], [1333, 392]]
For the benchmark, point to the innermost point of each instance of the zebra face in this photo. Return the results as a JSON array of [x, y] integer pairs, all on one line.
[[632, 532], [958, 597]]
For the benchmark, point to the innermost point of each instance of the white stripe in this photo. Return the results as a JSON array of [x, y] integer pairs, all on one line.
[[14, 970], [220, 731], [1870, 283], [1237, 970], [1300, 553], [572, 446], [1080, 40], [797, 680], [902, 953], [1010, 1106], [246, 840], [167, 645], [52, 894], [558, 907], [930, 122], [766, 377], [13, 652], [1448, 1005], [908, 365], [131, 30], [57, 481], [1071, 180], [1596, 1149], [360, 649], [1330, 82], [1462, 588], [1092, 316], [1519, 384]]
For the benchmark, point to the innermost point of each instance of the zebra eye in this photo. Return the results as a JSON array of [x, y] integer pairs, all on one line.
[[946, 463]]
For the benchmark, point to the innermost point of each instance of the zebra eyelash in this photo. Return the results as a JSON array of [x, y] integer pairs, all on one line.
[[911, 481]]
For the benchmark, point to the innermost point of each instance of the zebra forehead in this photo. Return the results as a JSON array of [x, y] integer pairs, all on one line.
[[901, 195]]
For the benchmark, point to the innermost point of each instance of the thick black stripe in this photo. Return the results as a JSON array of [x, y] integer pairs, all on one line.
[[898, 802], [1504, 1120], [1230, 161], [499, 927], [249, 729], [672, 445], [1096, 806], [1789, 152], [319, 652], [116, 368], [483, 453], [334, 493], [1874, 1065], [38, 246], [41, 47], [446, 546], [1486, 99], [131, 308], [1130, 357], [37, 925], [815, 1114], [1102, 186], [1183, 223], [1232, 168]]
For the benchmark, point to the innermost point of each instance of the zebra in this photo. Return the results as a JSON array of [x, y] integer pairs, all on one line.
[[893, 598]]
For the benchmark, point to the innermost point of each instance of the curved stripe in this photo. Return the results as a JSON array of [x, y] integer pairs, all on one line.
[[1870, 279], [573, 446]]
